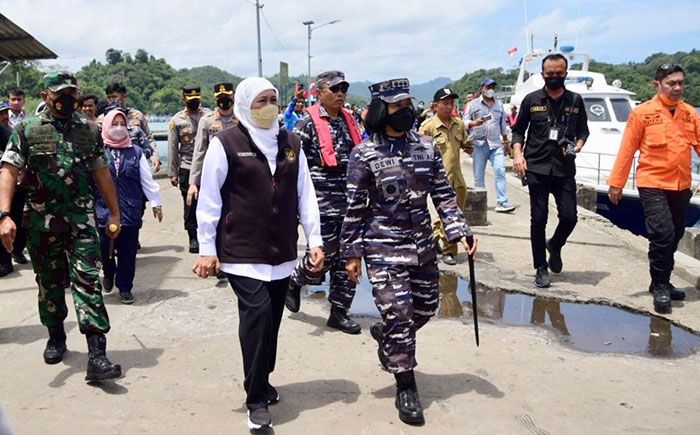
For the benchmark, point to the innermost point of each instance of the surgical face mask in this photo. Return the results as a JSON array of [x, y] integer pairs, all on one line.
[[119, 132], [489, 93], [402, 120], [65, 104], [224, 103], [265, 117], [192, 104], [554, 83]]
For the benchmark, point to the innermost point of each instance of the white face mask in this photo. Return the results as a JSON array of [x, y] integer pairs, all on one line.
[[489, 93], [119, 132]]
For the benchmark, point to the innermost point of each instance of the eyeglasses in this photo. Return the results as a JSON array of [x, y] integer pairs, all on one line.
[[340, 87]]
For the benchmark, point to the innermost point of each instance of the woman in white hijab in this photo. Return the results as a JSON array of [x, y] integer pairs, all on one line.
[[255, 182]]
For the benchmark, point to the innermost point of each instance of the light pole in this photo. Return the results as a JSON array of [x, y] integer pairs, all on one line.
[[258, 7], [308, 25]]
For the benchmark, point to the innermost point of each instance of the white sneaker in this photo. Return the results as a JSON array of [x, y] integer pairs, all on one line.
[[504, 208], [259, 419]]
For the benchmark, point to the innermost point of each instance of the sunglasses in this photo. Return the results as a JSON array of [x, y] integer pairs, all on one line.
[[669, 66], [340, 87]]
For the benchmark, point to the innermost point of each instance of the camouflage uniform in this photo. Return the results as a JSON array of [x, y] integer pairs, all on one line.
[[181, 135], [449, 141], [209, 126], [59, 158], [388, 224], [330, 185]]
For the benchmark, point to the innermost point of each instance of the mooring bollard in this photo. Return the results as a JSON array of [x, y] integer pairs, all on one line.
[[586, 197], [476, 208]]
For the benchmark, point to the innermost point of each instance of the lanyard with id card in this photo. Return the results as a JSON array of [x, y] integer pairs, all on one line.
[[553, 119]]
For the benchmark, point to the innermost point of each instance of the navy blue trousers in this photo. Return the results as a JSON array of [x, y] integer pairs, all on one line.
[[122, 266]]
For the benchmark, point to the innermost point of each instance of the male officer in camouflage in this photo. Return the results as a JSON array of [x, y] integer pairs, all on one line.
[[450, 136], [388, 224], [220, 119], [328, 134], [182, 130], [139, 131], [62, 155]]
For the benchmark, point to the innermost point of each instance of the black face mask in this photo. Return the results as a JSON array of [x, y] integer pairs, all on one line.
[[224, 103], [192, 104], [65, 105], [402, 120], [554, 83]]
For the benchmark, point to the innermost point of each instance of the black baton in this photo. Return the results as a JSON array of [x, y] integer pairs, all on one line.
[[472, 285]]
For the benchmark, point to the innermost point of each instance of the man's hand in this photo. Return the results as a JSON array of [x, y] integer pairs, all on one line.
[[507, 149], [519, 163], [8, 231], [175, 181], [615, 194], [156, 163], [158, 213], [206, 266], [299, 95], [192, 194], [471, 250], [113, 227], [476, 122], [353, 266], [317, 259]]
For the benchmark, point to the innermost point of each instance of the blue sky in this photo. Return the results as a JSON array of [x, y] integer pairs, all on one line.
[[374, 40]]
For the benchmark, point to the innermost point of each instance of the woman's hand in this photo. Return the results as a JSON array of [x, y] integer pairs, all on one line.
[[353, 266], [317, 259], [471, 250], [206, 266], [158, 213]]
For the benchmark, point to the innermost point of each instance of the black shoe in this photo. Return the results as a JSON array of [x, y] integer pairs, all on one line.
[[107, 285], [194, 246], [259, 418], [19, 258], [56, 346], [408, 404], [293, 299], [377, 332], [221, 275], [6, 269], [99, 368], [438, 248], [340, 320], [542, 277], [662, 298], [555, 264], [449, 259], [272, 395], [676, 293], [126, 298]]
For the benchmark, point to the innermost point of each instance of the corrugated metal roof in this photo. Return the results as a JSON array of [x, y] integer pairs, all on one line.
[[16, 44]]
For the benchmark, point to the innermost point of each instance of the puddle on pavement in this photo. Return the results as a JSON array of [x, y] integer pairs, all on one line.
[[586, 327]]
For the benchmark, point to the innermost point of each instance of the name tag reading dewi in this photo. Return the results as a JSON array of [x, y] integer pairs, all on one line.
[[389, 162]]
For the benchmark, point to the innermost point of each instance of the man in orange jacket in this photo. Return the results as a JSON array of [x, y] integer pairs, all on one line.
[[663, 129]]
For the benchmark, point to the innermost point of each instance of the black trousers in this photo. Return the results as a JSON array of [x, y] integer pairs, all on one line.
[[260, 307], [16, 211], [189, 212], [564, 191], [123, 270], [664, 216]]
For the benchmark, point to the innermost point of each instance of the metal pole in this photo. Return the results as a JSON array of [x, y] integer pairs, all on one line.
[[308, 50], [258, 6]]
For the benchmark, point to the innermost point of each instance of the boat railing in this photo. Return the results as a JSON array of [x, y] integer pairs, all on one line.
[[602, 166]]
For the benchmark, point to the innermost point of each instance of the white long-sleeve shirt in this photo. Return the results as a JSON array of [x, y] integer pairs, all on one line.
[[148, 185], [209, 206]]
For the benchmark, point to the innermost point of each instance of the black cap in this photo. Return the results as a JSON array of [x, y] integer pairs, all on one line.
[[191, 93], [223, 89], [443, 93], [330, 78]]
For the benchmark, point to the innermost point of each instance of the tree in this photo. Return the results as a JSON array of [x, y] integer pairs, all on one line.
[[114, 56], [141, 55]]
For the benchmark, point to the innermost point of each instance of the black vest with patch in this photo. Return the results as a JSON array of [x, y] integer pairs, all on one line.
[[259, 215]]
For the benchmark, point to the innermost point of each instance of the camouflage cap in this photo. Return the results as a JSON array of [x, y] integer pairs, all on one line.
[[191, 93], [57, 80], [391, 91], [223, 89], [330, 78]]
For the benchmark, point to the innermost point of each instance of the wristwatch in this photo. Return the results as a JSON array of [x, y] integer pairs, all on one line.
[[4, 214]]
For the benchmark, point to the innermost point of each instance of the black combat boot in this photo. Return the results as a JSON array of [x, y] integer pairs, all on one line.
[[340, 320], [293, 299], [56, 346], [377, 332], [194, 244], [676, 293], [99, 368], [662, 297], [407, 400]]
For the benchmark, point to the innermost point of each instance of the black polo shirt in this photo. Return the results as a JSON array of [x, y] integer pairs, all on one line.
[[538, 114]]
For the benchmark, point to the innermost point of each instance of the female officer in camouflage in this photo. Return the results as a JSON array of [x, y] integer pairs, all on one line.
[[388, 223]]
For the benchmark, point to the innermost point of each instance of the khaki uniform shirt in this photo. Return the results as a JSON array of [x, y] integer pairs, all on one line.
[[449, 141], [209, 126], [181, 133]]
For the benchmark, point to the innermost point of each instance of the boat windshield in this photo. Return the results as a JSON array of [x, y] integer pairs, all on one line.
[[622, 108], [596, 109]]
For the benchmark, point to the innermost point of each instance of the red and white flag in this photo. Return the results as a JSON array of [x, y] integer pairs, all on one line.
[[511, 51]]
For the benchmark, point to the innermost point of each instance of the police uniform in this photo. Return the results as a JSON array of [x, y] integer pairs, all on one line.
[[330, 185], [209, 126], [181, 138], [449, 140]]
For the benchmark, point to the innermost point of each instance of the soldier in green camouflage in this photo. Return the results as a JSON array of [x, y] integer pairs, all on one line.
[[62, 154]]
